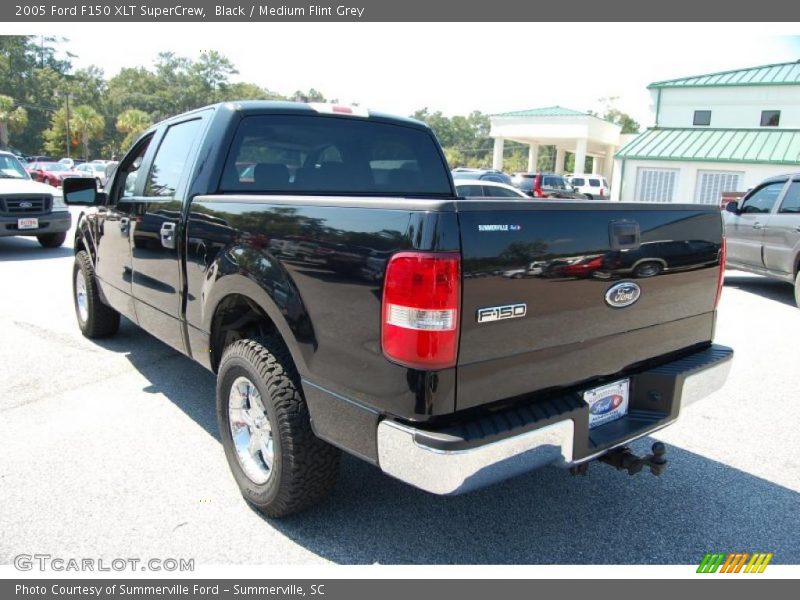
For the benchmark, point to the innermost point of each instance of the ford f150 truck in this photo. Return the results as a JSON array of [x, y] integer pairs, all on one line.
[[30, 208], [318, 260]]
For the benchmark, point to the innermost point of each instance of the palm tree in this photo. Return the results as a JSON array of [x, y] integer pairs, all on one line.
[[132, 122], [87, 124], [10, 118]]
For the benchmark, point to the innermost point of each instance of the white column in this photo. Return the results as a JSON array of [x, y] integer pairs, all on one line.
[[497, 157], [596, 165], [608, 164], [533, 157], [559, 161], [615, 180], [580, 156]]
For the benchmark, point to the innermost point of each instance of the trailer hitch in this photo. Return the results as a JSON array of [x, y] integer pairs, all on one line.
[[623, 459]]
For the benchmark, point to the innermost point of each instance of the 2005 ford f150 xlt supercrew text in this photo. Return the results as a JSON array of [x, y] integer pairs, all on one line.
[[318, 260]]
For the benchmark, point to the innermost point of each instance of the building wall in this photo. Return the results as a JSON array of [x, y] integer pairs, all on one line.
[[687, 176], [731, 107]]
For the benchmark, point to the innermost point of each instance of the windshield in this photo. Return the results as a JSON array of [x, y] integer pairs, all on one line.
[[11, 168], [54, 167]]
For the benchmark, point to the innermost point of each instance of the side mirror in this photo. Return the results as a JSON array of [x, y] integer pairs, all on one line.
[[732, 207], [81, 191]]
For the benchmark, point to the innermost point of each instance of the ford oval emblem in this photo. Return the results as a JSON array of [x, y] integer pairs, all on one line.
[[623, 294], [25, 204], [606, 405]]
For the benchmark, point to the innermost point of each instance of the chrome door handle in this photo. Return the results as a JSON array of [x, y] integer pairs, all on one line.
[[168, 235], [797, 228], [124, 223], [758, 226]]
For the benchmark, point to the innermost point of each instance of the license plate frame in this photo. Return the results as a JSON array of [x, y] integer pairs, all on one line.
[[608, 402], [27, 223]]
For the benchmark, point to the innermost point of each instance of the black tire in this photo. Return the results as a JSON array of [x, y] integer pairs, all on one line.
[[797, 290], [648, 269], [304, 468], [52, 240], [589, 197], [100, 319]]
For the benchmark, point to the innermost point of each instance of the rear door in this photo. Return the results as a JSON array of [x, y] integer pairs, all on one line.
[[156, 232], [782, 233], [745, 231], [568, 332]]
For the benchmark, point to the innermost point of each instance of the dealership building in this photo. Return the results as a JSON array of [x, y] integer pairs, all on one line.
[[714, 133]]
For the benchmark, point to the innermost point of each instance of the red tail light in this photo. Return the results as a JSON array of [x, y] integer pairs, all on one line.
[[421, 303], [602, 191], [537, 187], [723, 254]]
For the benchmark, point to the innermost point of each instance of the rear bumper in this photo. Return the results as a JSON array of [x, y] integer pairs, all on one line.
[[53, 222], [478, 453]]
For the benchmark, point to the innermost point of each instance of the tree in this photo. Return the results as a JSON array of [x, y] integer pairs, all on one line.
[[213, 72], [612, 114], [132, 122], [88, 125], [11, 118]]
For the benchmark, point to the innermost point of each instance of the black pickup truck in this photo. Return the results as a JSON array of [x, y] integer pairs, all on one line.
[[318, 260]]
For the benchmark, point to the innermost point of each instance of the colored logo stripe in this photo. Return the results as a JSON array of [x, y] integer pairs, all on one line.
[[734, 562]]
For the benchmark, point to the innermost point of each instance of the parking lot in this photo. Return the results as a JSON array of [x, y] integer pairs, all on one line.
[[110, 449]]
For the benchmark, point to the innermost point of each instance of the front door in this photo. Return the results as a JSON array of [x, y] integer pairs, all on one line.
[[114, 220], [782, 233], [745, 231]]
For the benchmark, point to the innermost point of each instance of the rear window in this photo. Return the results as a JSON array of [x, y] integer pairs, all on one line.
[[297, 154], [594, 182]]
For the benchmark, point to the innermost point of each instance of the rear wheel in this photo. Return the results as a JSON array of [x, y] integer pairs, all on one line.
[[52, 240], [648, 269], [95, 319], [281, 467], [589, 197]]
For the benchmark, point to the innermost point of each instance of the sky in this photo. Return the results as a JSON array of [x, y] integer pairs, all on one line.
[[452, 67]]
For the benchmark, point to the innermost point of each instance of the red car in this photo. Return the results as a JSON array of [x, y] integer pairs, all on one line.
[[51, 173]]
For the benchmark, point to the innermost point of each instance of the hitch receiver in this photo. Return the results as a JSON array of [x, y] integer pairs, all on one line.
[[623, 459]]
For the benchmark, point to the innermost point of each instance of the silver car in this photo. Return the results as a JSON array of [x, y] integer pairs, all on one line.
[[94, 169], [763, 230]]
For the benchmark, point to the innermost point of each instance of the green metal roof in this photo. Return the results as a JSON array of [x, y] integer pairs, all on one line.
[[776, 146], [549, 111], [777, 74]]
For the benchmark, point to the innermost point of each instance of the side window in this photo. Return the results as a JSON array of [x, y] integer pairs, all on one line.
[[498, 192], [578, 181], [770, 118], [702, 117], [127, 173], [763, 199], [791, 202], [470, 191], [170, 160], [594, 182]]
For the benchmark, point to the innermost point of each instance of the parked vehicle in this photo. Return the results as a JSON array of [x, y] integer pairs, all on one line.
[[33, 159], [29, 208], [486, 189], [594, 187], [94, 169], [444, 381], [51, 173], [544, 185], [763, 230], [72, 162], [481, 174]]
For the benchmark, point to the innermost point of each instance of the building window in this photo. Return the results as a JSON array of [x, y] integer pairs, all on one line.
[[711, 185], [702, 117], [770, 118], [655, 185]]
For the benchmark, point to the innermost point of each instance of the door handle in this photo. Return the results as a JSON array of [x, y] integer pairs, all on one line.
[[124, 224], [757, 225], [797, 228], [168, 235]]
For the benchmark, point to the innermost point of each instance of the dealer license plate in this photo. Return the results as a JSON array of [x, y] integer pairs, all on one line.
[[28, 223], [607, 403]]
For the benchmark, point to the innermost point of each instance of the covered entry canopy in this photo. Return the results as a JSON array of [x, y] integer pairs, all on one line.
[[566, 129]]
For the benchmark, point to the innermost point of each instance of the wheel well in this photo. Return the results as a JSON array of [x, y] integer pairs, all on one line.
[[237, 317]]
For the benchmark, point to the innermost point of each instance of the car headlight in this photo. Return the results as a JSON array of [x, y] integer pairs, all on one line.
[[58, 203]]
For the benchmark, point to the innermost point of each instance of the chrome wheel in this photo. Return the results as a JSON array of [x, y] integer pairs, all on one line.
[[251, 430], [81, 299]]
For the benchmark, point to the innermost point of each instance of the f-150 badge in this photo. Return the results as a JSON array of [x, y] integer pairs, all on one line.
[[499, 313]]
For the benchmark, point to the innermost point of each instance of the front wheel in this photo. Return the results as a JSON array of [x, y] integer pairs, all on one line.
[[95, 319], [52, 240], [281, 467], [797, 290]]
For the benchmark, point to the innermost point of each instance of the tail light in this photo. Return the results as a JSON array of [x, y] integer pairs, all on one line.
[[420, 309], [602, 191], [723, 254], [537, 187]]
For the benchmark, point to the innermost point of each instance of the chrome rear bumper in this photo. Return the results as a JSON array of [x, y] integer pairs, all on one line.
[[403, 453]]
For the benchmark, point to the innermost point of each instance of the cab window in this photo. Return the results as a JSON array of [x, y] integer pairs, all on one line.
[[763, 199]]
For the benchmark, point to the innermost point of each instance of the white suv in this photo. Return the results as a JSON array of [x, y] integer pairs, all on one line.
[[594, 187]]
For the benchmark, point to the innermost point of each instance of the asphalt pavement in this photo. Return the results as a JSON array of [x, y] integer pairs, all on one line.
[[110, 449]]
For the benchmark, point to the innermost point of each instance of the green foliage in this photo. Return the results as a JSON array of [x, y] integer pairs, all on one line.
[[132, 122], [614, 115], [12, 118]]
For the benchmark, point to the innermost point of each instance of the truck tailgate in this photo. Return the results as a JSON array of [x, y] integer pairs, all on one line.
[[556, 262]]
